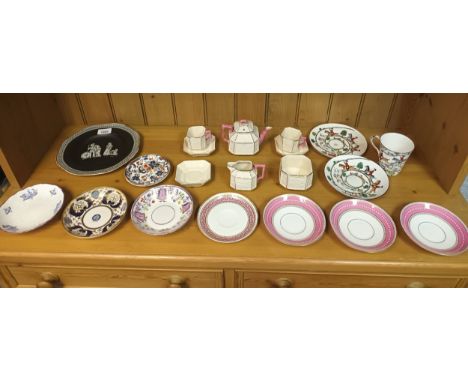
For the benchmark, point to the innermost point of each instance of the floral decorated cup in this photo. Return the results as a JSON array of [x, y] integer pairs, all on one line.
[[394, 151]]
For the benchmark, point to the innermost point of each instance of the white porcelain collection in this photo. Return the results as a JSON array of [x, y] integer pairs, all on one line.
[[245, 174], [193, 173], [334, 139], [296, 172], [30, 208], [294, 219], [230, 217], [199, 141], [243, 137], [227, 217], [162, 210]]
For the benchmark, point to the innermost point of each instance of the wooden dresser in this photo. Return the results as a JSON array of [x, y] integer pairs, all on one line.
[[49, 257]]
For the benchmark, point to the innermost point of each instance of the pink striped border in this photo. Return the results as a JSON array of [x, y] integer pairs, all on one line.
[[448, 216], [363, 205], [312, 208]]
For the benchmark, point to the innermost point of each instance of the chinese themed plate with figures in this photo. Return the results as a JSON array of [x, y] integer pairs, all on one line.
[[162, 210], [434, 228], [30, 208], [294, 219], [334, 139], [227, 217], [147, 170], [362, 225], [356, 177], [98, 149], [95, 212]]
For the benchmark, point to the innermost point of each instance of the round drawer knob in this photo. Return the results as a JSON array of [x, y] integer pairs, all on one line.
[[416, 284], [176, 282], [49, 280], [283, 283]]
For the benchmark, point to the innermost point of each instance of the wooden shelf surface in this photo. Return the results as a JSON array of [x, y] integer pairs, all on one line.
[[130, 247]]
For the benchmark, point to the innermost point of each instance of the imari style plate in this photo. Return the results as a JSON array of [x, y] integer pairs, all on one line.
[[362, 225], [294, 219], [98, 149], [334, 139], [227, 217], [147, 170], [356, 177], [30, 208], [95, 212], [162, 210], [434, 228]]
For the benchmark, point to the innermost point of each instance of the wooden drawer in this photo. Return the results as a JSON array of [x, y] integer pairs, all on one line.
[[51, 276], [248, 279]]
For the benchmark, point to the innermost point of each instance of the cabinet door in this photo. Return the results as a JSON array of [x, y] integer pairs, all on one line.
[[260, 279], [51, 276]]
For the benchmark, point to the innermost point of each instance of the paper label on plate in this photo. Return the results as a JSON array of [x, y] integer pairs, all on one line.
[[104, 131]]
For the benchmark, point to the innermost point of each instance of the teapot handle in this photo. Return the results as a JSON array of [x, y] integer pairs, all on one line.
[[223, 129], [263, 167]]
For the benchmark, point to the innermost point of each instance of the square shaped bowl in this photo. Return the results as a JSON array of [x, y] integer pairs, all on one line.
[[193, 173]]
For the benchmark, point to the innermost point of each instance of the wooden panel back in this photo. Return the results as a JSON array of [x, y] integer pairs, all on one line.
[[29, 123], [185, 109]]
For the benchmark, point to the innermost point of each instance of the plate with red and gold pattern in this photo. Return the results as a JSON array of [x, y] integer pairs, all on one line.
[[227, 217]]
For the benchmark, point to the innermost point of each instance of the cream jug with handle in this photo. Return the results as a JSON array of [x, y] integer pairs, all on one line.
[[245, 175]]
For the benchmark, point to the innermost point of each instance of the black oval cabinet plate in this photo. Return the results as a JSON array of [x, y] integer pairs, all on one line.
[[98, 149]]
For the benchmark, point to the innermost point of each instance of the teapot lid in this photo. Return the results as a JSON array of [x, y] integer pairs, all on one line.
[[244, 125]]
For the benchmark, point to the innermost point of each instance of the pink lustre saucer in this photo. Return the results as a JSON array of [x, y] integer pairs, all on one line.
[[227, 217], [434, 228], [162, 210], [363, 225], [294, 219]]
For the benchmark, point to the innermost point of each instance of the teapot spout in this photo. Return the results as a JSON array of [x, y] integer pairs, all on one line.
[[264, 133]]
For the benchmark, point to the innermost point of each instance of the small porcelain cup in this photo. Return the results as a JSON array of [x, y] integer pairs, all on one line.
[[296, 172], [291, 139], [394, 150], [198, 137]]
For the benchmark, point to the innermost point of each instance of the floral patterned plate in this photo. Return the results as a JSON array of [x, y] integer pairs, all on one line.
[[95, 212], [334, 139], [227, 217], [147, 170], [162, 210], [294, 219], [363, 225], [356, 177], [434, 228], [30, 208]]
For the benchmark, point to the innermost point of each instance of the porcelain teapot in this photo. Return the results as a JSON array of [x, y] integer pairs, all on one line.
[[245, 175], [244, 138]]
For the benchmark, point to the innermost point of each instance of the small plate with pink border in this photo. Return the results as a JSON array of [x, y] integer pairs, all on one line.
[[227, 217], [294, 219], [363, 225], [434, 228]]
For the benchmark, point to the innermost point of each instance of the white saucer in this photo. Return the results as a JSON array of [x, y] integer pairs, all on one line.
[[227, 217], [30, 208], [200, 153], [302, 148]]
